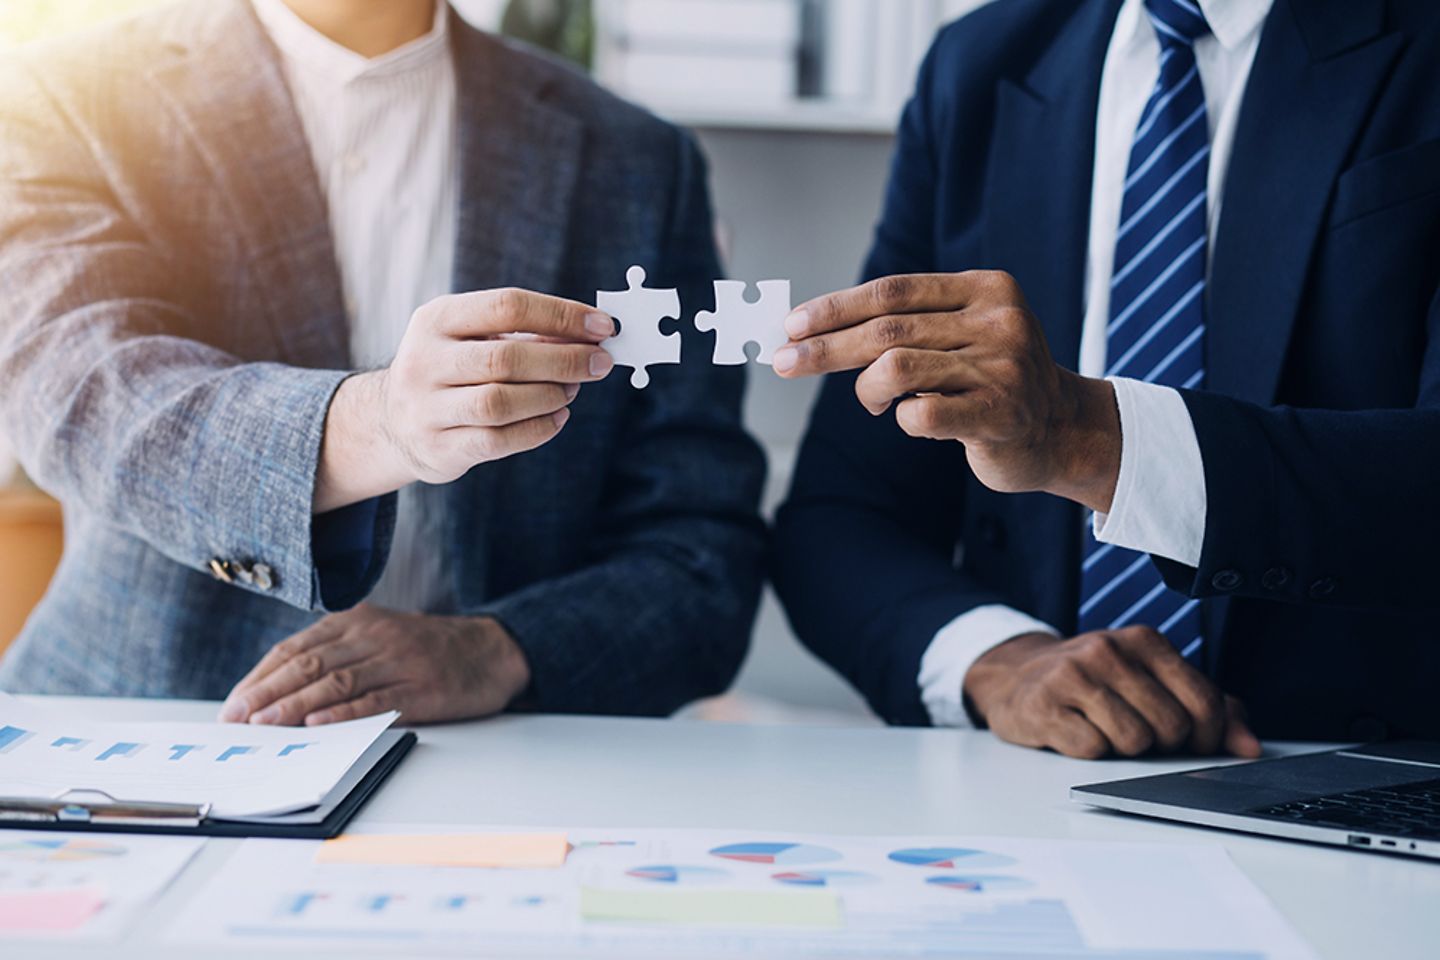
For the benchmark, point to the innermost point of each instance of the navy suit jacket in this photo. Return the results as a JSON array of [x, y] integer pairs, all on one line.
[[1320, 426]]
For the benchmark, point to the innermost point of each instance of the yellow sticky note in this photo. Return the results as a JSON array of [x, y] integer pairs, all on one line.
[[533, 851], [762, 908]]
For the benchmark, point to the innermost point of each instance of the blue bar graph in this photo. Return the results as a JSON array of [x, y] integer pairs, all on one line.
[[301, 902], [290, 748], [69, 743], [119, 750], [178, 750], [229, 752], [12, 737]]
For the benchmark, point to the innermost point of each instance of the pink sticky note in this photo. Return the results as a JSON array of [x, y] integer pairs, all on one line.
[[47, 910]]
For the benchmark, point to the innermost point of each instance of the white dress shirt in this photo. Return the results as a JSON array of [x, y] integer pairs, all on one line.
[[1159, 505], [382, 135]]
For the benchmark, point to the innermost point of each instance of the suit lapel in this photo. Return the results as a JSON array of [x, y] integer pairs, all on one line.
[[1041, 163], [519, 164], [519, 161], [226, 86], [1318, 68]]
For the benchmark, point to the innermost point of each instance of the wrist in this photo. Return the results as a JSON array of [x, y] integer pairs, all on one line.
[[507, 664], [1089, 447], [993, 672], [358, 456]]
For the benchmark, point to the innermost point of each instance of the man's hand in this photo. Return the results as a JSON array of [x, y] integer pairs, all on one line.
[[1123, 692], [962, 358], [367, 661], [478, 377]]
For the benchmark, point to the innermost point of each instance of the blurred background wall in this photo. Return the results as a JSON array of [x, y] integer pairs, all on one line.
[[794, 101]]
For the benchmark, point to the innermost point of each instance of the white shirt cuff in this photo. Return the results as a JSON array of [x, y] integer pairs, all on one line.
[[956, 647], [1159, 505]]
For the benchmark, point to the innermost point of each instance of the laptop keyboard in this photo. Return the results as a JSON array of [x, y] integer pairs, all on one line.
[[1411, 810]]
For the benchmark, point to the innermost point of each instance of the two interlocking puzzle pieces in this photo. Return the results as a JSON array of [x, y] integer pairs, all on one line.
[[735, 321]]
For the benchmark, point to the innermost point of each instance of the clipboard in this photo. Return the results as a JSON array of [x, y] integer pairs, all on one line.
[[115, 815]]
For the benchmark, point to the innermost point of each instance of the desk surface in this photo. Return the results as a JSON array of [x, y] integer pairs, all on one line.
[[605, 772]]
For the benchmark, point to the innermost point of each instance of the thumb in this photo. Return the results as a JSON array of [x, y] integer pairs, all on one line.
[[1240, 740]]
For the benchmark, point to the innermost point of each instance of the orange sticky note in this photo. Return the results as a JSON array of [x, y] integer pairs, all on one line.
[[48, 910], [516, 851]]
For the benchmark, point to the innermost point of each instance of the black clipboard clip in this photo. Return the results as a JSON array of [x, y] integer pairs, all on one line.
[[73, 807]]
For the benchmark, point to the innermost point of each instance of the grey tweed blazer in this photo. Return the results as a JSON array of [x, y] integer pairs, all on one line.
[[172, 331]]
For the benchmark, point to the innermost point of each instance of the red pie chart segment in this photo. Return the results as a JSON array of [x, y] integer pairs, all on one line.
[[777, 854]]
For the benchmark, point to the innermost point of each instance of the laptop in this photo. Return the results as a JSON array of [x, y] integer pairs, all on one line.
[[1384, 797]]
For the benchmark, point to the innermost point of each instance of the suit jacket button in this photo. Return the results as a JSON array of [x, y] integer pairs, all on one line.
[[1227, 580], [1276, 578], [264, 577], [1368, 729], [220, 570], [1322, 588]]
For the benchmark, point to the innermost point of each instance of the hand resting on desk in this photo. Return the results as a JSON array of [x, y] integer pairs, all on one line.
[[369, 660]]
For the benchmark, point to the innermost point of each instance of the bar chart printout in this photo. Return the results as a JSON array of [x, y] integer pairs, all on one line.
[[665, 893], [241, 770]]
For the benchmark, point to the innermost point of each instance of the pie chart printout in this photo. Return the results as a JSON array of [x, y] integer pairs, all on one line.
[[951, 858], [979, 884], [678, 875], [825, 878], [777, 854]]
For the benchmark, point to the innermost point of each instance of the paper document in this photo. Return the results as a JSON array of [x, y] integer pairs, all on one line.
[[669, 893], [82, 886], [536, 851], [242, 770]]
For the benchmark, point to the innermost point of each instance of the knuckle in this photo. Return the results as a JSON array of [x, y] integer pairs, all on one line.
[[491, 405], [890, 331], [819, 350], [508, 303], [892, 291], [342, 683], [309, 667], [896, 366]]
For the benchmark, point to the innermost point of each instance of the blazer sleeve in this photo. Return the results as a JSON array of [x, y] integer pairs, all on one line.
[[865, 544], [662, 615], [1320, 507], [111, 397]]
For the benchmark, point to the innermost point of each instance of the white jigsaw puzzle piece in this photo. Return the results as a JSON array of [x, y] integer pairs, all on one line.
[[737, 322], [640, 344]]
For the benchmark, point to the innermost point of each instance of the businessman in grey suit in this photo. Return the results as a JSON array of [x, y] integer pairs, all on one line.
[[210, 219]]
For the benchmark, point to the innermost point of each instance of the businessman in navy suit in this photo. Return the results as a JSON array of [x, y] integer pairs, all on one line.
[[1195, 384]]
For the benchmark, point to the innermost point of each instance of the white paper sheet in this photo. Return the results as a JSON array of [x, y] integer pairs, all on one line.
[[242, 770], [927, 896], [124, 872]]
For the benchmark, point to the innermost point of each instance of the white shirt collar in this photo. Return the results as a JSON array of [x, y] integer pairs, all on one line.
[[304, 46], [1234, 21]]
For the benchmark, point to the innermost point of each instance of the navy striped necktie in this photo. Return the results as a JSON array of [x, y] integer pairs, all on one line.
[[1156, 329]]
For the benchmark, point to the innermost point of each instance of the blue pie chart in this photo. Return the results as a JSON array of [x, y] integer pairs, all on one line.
[[825, 878], [951, 858], [670, 873], [974, 883], [777, 854]]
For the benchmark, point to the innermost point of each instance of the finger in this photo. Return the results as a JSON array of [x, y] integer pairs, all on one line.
[[867, 340], [474, 362], [1201, 699], [238, 705], [1103, 658], [301, 671], [1240, 740], [486, 444], [913, 293], [901, 372], [500, 404], [339, 685], [1121, 724], [486, 313], [1071, 733], [378, 700], [941, 417]]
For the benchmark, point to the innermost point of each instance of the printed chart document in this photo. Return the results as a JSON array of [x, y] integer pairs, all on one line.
[[82, 886], [667, 893], [242, 770]]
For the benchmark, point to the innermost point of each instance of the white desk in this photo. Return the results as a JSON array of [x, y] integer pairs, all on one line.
[[594, 772]]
